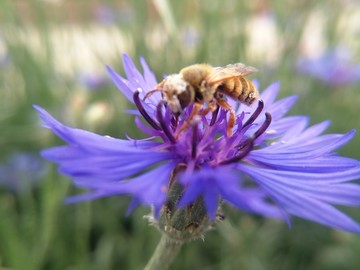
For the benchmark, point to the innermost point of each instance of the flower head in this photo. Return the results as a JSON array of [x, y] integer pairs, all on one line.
[[21, 171], [334, 67], [92, 81], [272, 165]]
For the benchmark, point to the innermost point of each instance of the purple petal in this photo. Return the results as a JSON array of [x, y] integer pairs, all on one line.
[[270, 93], [280, 127], [299, 198], [93, 142], [190, 194], [148, 74], [94, 156], [281, 107], [211, 201], [132, 73], [253, 201], [149, 188], [122, 84]]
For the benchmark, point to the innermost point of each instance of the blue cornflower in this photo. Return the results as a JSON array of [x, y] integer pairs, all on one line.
[[92, 80], [272, 165], [22, 171], [334, 67]]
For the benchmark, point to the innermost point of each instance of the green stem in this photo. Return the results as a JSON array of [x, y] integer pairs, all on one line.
[[165, 253]]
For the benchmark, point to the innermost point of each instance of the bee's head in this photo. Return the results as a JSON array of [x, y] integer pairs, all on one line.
[[177, 93]]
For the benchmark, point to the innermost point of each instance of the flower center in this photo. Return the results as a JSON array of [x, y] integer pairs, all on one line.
[[201, 141]]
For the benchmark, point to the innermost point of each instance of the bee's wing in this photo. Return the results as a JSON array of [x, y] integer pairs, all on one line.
[[230, 71]]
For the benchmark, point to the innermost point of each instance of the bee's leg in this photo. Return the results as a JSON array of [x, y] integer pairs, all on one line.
[[212, 106], [232, 119], [197, 107]]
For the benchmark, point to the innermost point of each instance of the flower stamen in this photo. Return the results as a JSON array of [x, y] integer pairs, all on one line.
[[163, 125], [143, 112], [174, 121], [246, 148], [214, 116], [255, 114], [264, 126], [194, 140]]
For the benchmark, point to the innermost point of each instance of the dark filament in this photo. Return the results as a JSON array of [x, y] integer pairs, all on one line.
[[264, 126], [194, 141], [163, 125], [141, 109], [246, 148], [174, 121], [255, 114], [248, 144], [214, 116]]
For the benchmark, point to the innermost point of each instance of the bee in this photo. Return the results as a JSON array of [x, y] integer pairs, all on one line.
[[204, 84]]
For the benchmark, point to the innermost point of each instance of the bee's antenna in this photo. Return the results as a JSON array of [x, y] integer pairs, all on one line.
[[148, 94], [157, 88]]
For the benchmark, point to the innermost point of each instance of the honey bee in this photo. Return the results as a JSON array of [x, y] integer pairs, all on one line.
[[204, 84]]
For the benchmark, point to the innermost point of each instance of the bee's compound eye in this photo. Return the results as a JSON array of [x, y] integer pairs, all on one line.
[[184, 98]]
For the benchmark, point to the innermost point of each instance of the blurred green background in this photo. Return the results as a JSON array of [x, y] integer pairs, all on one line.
[[53, 53]]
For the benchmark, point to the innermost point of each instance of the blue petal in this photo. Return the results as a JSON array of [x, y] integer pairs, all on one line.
[[254, 201], [91, 141], [135, 78], [281, 107], [337, 193], [311, 147], [149, 188], [131, 70], [248, 199], [133, 204], [86, 197], [211, 201], [107, 165], [295, 130], [201, 182], [268, 96], [308, 178], [313, 131], [294, 163], [122, 84], [281, 126], [135, 82], [225, 183], [91, 155], [270, 93], [191, 192], [299, 196], [148, 74]]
